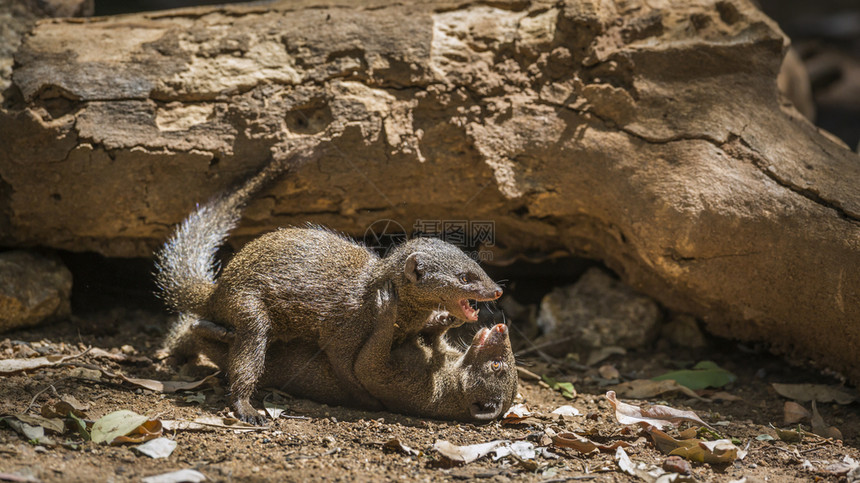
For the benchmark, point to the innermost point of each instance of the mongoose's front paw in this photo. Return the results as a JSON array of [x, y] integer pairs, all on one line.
[[387, 294], [441, 320], [386, 300], [245, 412]]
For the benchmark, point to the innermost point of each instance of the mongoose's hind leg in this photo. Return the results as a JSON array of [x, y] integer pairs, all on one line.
[[247, 360], [180, 343]]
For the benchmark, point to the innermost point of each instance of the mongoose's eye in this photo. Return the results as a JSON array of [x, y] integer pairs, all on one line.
[[464, 279], [497, 366]]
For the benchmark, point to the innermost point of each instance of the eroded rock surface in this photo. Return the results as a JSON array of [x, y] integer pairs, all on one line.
[[650, 135]]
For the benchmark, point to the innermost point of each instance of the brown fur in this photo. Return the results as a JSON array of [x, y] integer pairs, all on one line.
[[307, 284], [424, 376]]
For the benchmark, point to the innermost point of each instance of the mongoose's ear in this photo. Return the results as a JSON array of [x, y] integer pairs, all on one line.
[[413, 269]]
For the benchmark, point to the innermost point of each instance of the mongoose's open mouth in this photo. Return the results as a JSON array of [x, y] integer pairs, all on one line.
[[469, 313], [485, 410]]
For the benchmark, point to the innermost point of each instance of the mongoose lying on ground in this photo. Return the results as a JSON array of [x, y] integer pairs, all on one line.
[[307, 284], [424, 376], [476, 385]]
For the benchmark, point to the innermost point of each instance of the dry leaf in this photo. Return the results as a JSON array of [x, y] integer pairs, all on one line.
[[720, 451], [16, 478], [794, 413], [624, 462], [394, 445], [117, 423], [54, 425], [723, 396], [585, 445], [11, 366], [273, 410], [608, 371], [60, 408], [602, 353], [657, 416], [466, 454], [648, 473], [820, 428], [209, 423], [646, 388], [567, 411], [163, 386], [118, 356], [516, 414], [788, 435], [523, 450], [181, 476], [30, 432], [847, 465], [817, 392], [150, 429], [86, 373]]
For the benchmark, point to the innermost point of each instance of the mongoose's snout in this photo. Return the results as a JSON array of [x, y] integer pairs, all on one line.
[[493, 294], [492, 342], [498, 336], [489, 293]]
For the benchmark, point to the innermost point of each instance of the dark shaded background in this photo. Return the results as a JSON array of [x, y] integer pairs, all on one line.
[[826, 34]]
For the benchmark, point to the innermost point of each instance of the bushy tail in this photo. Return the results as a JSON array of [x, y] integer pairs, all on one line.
[[186, 265]]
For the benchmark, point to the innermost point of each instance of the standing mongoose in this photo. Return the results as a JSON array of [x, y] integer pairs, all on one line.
[[307, 284]]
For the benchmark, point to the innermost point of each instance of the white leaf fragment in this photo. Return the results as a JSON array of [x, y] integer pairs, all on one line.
[[517, 411], [190, 476], [567, 411], [522, 449], [157, 448], [466, 454], [273, 410]]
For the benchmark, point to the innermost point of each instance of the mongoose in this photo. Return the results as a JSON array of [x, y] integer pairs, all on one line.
[[307, 284], [476, 385], [423, 376]]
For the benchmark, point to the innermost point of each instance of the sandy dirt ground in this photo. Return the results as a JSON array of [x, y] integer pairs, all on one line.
[[315, 442]]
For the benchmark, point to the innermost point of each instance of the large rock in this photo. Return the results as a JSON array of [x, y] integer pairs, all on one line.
[[650, 135], [33, 288]]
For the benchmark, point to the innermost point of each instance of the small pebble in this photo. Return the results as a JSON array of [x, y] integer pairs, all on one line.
[[676, 464]]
